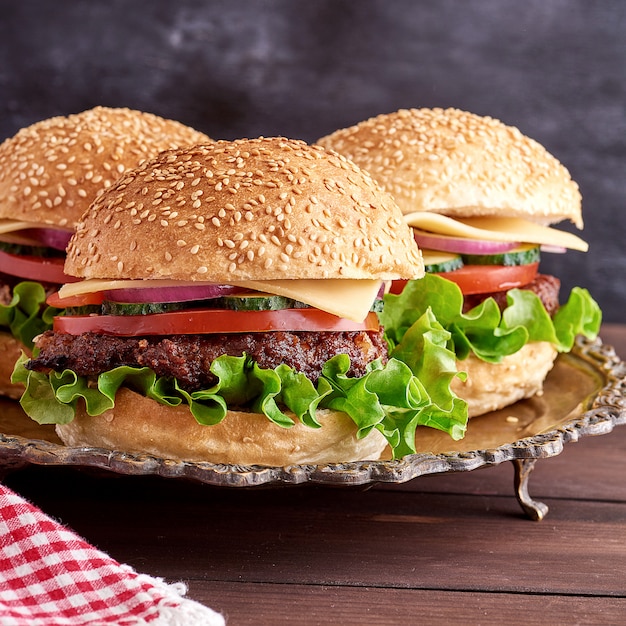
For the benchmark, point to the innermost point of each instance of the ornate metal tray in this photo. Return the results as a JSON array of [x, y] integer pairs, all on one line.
[[583, 395]]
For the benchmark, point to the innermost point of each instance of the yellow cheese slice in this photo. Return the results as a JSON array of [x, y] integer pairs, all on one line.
[[495, 229], [9, 226], [435, 257], [347, 298]]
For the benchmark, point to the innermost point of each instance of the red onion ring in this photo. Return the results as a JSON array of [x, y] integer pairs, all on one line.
[[182, 293], [433, 241]]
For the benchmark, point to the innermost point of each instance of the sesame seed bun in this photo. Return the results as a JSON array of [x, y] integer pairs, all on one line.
[[52, 170], [493, 386], [460, 164], [251, 209], [137, 423], [463, 165]]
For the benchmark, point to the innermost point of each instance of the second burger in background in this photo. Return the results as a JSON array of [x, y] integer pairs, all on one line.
[[480, 197], [50, 172], [228, 313]]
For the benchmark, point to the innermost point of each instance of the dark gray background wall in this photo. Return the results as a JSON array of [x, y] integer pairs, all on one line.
[[302, 68]]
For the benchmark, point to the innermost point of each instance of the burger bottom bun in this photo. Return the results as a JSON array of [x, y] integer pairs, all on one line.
[[139, 424], [492, 386], [10, 351]]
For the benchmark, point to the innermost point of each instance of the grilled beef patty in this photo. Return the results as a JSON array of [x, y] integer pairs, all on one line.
[[188, 357], [544, 285]]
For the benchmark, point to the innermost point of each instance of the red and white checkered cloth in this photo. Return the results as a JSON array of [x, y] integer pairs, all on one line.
[[49, 576]]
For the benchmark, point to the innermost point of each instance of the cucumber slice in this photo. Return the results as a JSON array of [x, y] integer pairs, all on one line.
[[24, 250], [522, 255], [256, 302], [268, 302], [109, 307], [435, 261], [234, 302], [87, 309], [377, 306]]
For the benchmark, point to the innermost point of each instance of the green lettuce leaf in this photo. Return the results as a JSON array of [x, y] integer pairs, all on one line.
[[485, 331], [26, 316]]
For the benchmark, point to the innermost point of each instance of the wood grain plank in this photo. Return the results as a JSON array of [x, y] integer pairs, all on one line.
[[302, 605], [342, 536]]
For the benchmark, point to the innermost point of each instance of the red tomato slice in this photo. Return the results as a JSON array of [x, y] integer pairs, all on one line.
[[83, 299], [474, 279], [210, 321], [397, 286], [43, 269]]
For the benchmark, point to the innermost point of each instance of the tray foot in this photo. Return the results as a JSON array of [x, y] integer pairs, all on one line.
[[533, 509]]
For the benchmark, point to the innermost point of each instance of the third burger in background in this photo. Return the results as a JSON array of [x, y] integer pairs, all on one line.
[[480, 197], [50, 172]]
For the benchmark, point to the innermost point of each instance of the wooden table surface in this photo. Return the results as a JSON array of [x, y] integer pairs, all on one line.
[[439, 549]]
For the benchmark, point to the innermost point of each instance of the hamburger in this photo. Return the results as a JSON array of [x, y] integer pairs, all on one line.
[[49, 174], [481, 198], [227, 312]]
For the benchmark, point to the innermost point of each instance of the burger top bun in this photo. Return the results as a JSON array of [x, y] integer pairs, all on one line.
[[51, 171], [453, 162], [250, 209]]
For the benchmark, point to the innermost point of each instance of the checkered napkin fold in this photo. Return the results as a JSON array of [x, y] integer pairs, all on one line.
[[49, 576]]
